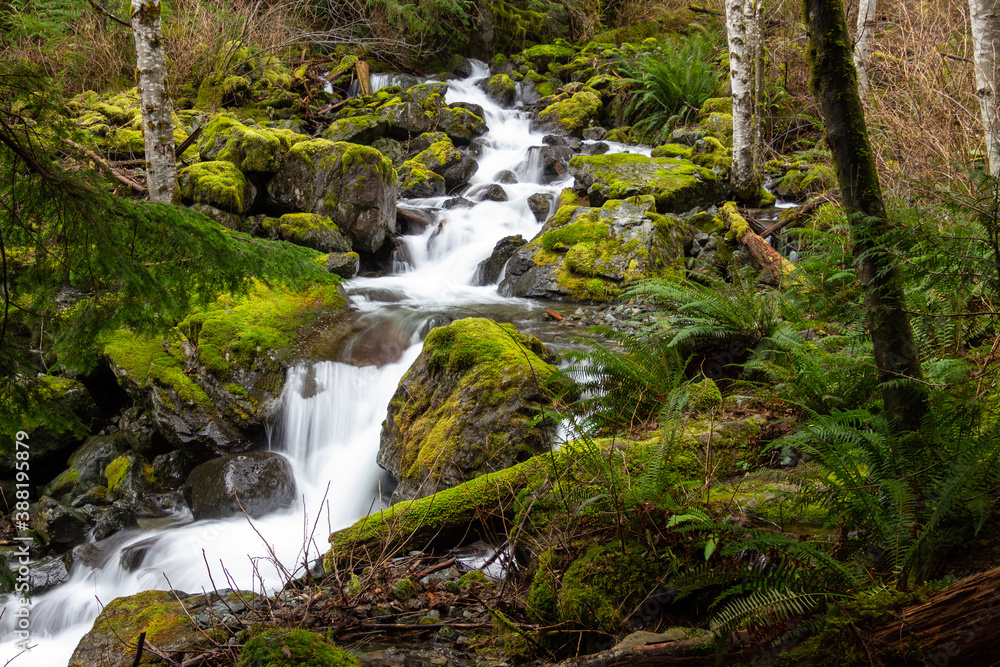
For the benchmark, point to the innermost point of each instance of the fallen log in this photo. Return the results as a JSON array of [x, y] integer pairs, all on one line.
[[669, 653], [762, 251]]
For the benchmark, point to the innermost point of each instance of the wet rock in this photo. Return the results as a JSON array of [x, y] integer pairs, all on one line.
[[501, 89], [687, 137], [46, 574], [138, 429], [505, 177], [117, 518], [488, 271], [392, 149], [357, 129], [132, 556], [595, 133], [413, 221], [600, 148], [465, 400], [458, 174], [463, 68], [355, 186], [492, 192], [344, 264], [262, 480], [86, 554], [676, 185], [540, 204], [172, 469], [552, 160], [95, 496], [417, 181], [425, 141], [60, 527], [458, 202], [572, 113]]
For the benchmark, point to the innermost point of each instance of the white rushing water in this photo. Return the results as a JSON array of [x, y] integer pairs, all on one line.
[[330, 420]]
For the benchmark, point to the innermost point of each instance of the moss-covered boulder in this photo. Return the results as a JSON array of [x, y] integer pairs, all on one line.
[[442, 158], [250, 149], [465, 407], [356, 186], [677, 185], [573, 113], [590, 254], [279, 647], [343, 264], [60, 527], [63, 413], [257, 482], [802, 180], [418, 182], [357, 129], [215, 380], [131, 480], [157, 613], [501, 88], [306, 229], [218, 184], [544, 55]]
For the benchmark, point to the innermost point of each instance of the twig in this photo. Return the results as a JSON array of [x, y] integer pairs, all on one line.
[[140, 644], [127, 25], [107, 168]]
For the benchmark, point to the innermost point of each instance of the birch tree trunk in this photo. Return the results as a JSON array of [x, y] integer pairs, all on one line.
[[151, 73], [986, 40], [863, 45], [834, 84], [743, 32]]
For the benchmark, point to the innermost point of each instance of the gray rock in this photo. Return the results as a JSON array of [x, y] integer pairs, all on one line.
[[540, 204], [60, 527], [172, 469], [492, 192], [390, 148], [263, 482], [553, 161], [308, 230], [488, 271], [139, 431], [595, 133], [687, 137], [676, 185], [356, 129], [355, 186], [458, 202], [117, 518], [343, 264], [46, 574], [505, 177]]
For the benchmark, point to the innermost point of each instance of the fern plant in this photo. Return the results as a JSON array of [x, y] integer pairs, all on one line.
[[672, 83]]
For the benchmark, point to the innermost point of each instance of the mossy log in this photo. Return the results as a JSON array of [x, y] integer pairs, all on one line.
[[762, 251]]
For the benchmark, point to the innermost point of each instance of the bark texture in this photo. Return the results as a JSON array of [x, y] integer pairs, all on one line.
[[985, 16], [834, 84], [744, 34], [151, 74], [863, 45]]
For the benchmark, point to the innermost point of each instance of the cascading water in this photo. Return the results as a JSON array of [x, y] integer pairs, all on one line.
[[331, 415]]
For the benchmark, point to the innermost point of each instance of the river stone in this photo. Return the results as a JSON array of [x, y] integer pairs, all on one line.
[[130, 480], [117, 517], [590, 254], [417, 181], [540, 204], [262, 480], [491, 192], [458, 202], [138, 429], [677, 185], [357, 129], [59, 526], [308, 230], [67, 415], [172, 469], [355, 186], [553, 161], [488, 271], [47, 574], [464, 407], [343, 264], [157, 613], [505, 177], [572, 113]]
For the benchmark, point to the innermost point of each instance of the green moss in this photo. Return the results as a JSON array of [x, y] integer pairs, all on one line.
[[578, 232], [116, 471], [279, 647], [252, 150], [673, 150], [542, 601], [352, 154], [501, 86], [153, 361], [720, 126], [717, 105], [676, 185], [417, 180], [404, 590], [256, 331], [473, 579], [574, 113], [358, 129], [219, 184]]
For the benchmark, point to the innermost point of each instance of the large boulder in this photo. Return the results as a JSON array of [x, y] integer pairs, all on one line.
[[590, 254], [260, 482], [489, 270], [355, 186], [59, 526], [416, 181], [250, 149], [677, 185], [364, 129], [572, 113], [444, 159], [306, 229], [212, 383], [217, 184], [465, 407]]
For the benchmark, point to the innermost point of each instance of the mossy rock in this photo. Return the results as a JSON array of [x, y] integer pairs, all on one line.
[[279, 647], [673, 150], [798, 185], [677, 185], [591, 254], [418, 181], [250, 149], [712, 105], [157, 613], [502, 89], [355, 186], [357, 129], [307, 229], [463, 409], [218, 184], [543, 55], [720, 126], [573, 114]]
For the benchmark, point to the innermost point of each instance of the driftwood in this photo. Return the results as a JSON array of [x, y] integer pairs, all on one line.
[[762, 251]]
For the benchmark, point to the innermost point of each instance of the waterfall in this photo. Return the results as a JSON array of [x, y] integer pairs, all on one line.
[[330, 419]]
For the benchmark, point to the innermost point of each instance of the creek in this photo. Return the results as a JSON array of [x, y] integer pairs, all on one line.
[[331, 415]]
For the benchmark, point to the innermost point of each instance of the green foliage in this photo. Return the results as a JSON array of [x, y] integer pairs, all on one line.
[[672, 83], [278, 647]]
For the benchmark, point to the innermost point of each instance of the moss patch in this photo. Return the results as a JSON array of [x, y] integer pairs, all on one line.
[[218, 184], [676, 185], [279, 647]]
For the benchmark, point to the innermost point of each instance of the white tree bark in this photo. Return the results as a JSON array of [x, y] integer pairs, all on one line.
[[985, 41], [151, 73], [744, 35], [863, 42]]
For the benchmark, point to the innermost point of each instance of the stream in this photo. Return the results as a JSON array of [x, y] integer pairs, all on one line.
[[331, 414]]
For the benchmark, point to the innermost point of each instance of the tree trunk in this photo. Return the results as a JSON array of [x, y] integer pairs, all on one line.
[[834, 84], [151, 72], [985, 41], [863, 44], [743, 31]]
